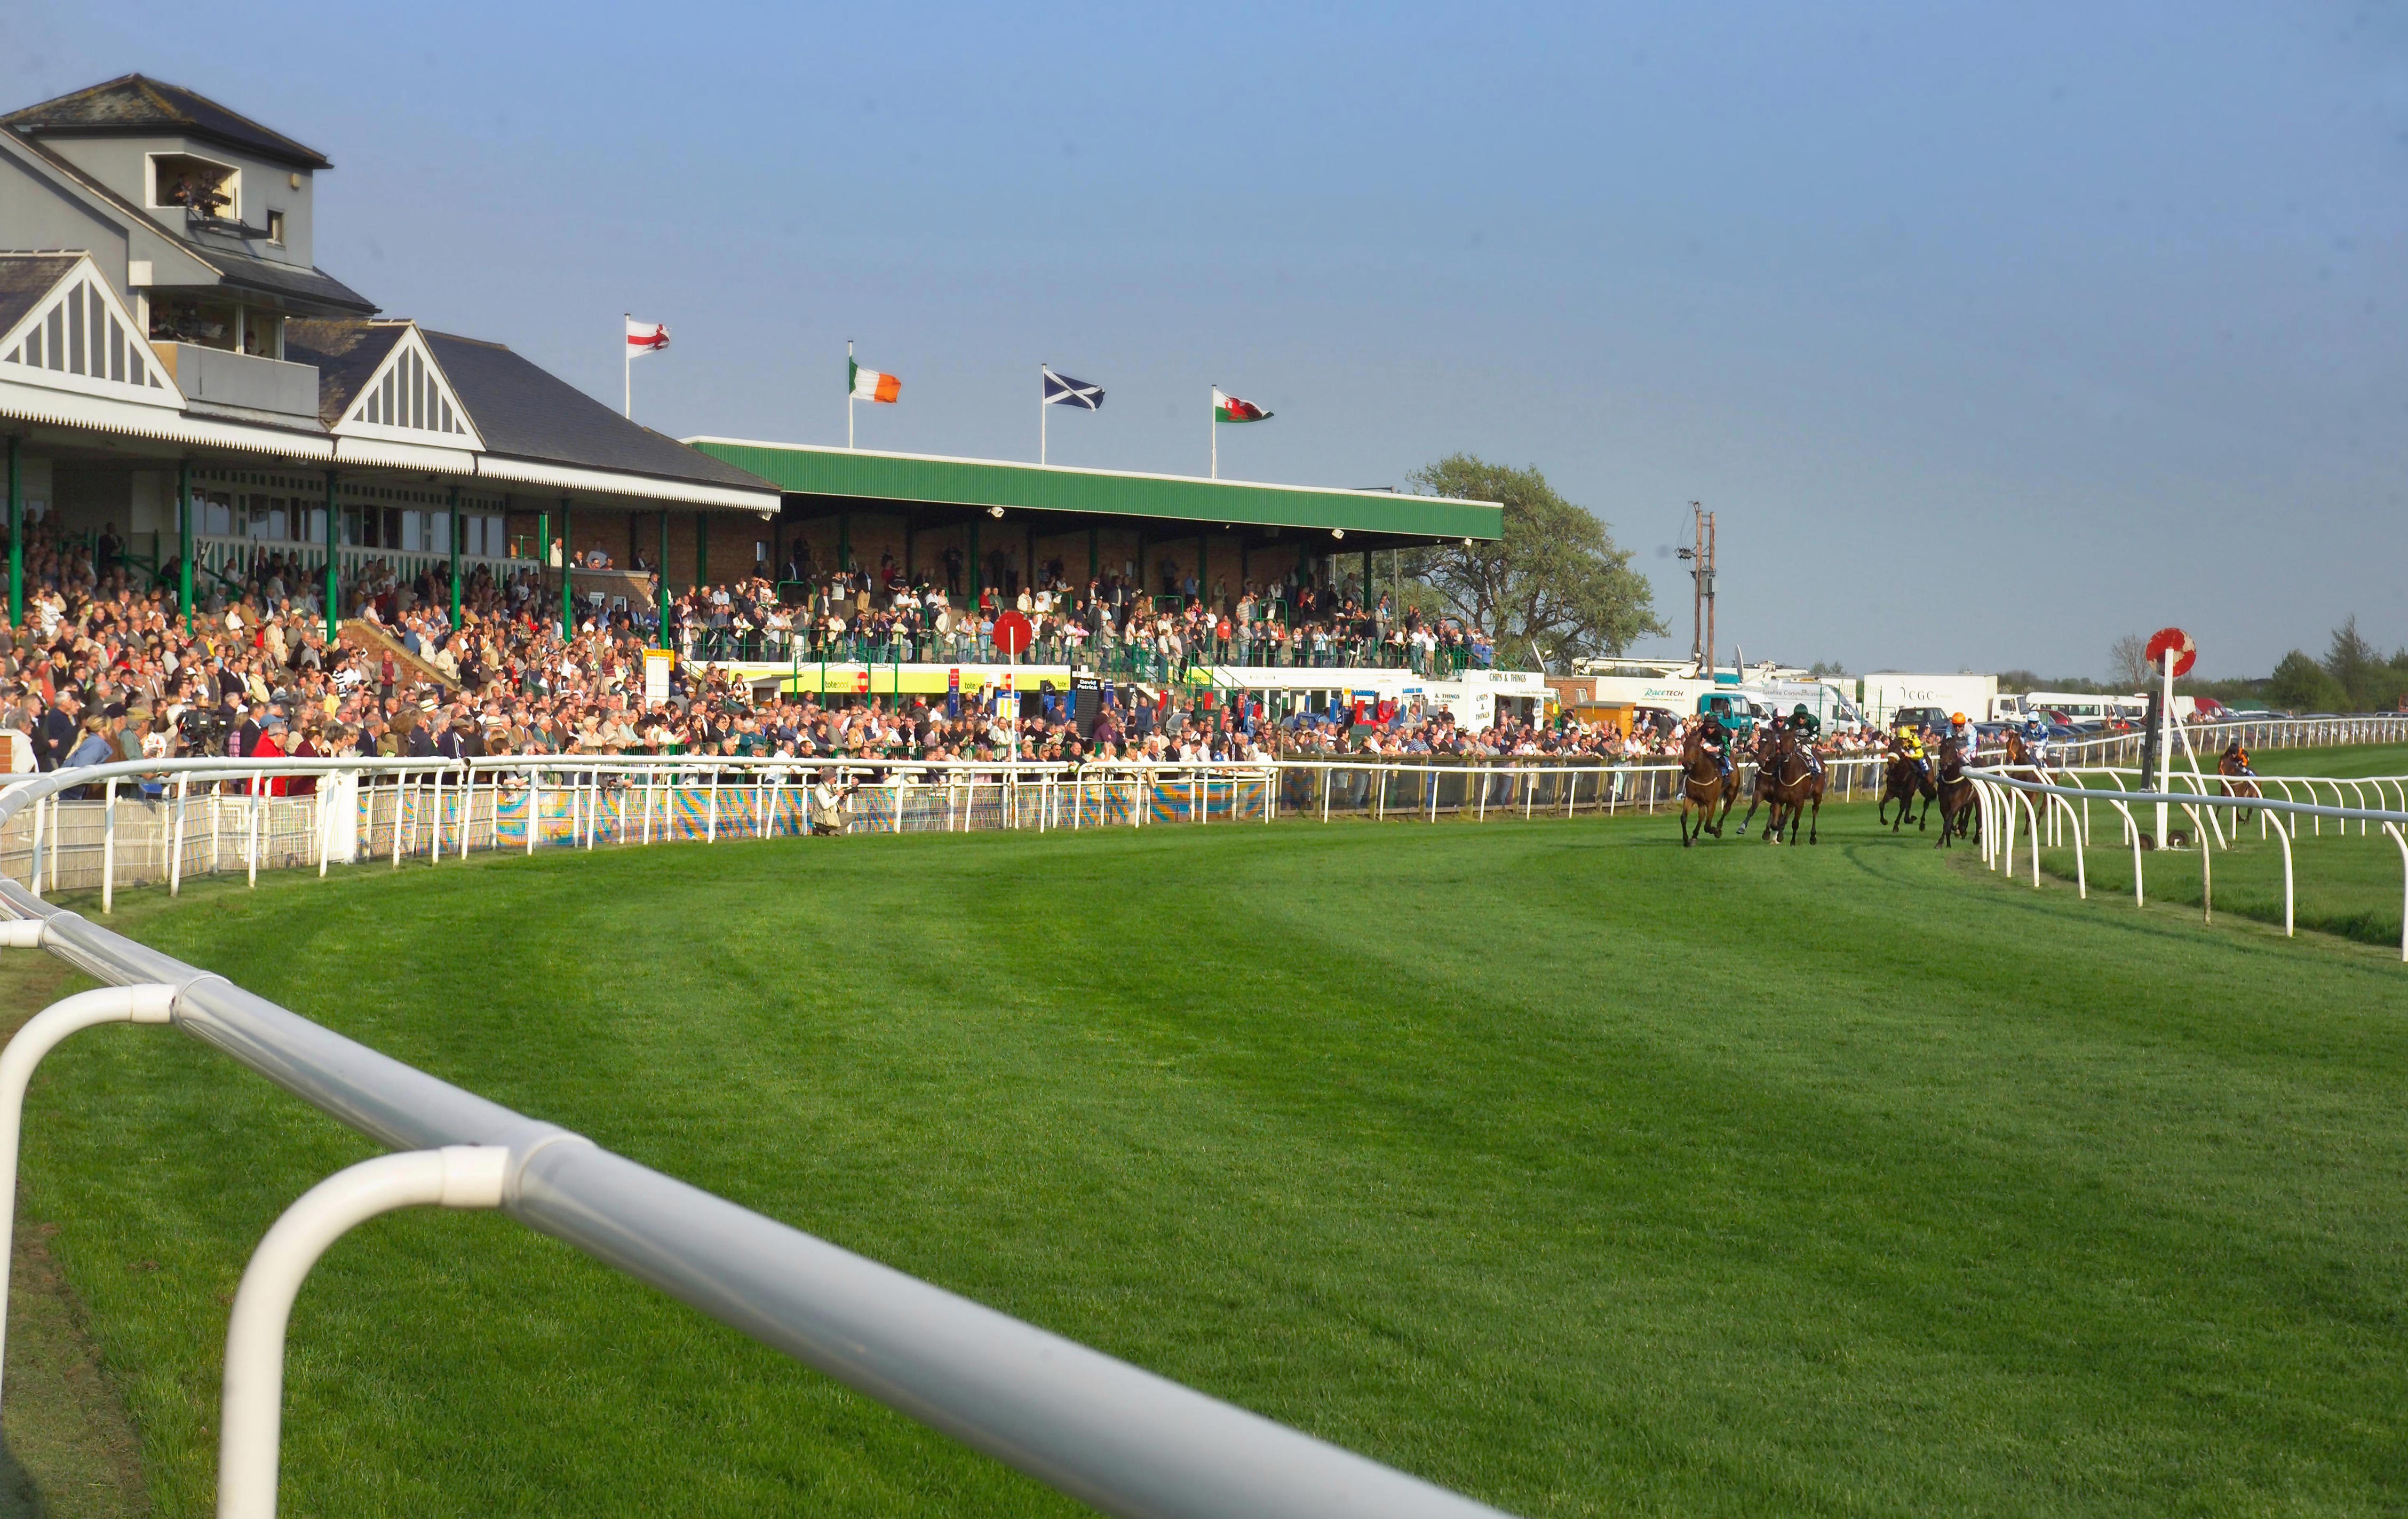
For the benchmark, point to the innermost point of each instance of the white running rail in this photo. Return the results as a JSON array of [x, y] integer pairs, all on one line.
[[1119, 1438], [2012, 806]]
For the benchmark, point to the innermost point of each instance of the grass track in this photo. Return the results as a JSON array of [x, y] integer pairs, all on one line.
[[1543, 1159]]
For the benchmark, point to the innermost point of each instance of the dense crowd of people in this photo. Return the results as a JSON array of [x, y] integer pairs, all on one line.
[[103, 666], [1109, 626]]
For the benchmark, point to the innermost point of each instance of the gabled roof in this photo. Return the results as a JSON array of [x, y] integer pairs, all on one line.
[[233, 266], [346, 355], [65, 327], [137, 104], [519, 410], [26, 277]]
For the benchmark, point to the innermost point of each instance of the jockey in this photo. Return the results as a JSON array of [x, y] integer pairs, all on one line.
[[1809, 728], [1713, 739], [1910, 744], [2035, 735], [2240, 758], [1968, 738]]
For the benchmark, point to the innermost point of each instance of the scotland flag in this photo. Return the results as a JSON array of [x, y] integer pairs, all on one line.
[[1061, 390]]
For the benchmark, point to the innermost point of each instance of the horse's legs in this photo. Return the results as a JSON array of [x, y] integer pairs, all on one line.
[[1814, 821]]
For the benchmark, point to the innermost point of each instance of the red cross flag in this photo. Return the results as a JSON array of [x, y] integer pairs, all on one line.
[[646, 337]]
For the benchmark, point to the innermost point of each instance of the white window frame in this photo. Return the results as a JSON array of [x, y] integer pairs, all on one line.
[[151, 176]]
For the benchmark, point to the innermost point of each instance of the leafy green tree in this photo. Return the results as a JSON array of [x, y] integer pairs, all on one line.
[[1554, 588], [2299, 683], [2351, 662]]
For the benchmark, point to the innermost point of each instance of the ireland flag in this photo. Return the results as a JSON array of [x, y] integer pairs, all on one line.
[[1230, 409], [868, 385]]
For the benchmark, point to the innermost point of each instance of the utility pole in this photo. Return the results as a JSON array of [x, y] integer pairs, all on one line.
[[1701, 591], [1706, 578]]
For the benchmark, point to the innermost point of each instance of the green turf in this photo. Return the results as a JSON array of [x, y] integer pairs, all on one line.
[[2350, 759], [1547, 1160]]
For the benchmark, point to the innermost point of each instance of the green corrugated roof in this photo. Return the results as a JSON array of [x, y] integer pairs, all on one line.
[[982, 483]]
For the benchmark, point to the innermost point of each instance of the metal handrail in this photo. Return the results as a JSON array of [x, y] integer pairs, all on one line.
[[1119, 1438]]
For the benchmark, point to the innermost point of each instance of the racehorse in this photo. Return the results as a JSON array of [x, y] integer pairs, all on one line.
[[1761, 792], [1797, 789], [2018, 755], [1701, 788], [1902, 780], [2228, 764], [1957, 813]]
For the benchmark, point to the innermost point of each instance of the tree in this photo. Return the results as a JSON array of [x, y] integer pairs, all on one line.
[[2351, 662], [1554, 588], [2128, 662], [1821, 668], [2018, 680], [2299, 683]]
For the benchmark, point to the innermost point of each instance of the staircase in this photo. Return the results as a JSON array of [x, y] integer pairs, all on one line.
[[359, 633]]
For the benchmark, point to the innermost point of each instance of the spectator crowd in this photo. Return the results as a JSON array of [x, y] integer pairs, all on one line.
[[103, 666]]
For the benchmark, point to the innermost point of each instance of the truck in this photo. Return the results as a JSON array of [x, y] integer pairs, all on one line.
[[1887, 691]]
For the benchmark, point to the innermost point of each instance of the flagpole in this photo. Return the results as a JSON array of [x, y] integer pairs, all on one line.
[[627, 370], [1041, 413], [1212, 420], [848, 393]]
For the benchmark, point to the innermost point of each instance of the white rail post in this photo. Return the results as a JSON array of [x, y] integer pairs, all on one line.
[[40, 1034], [107, 855], [535, 805], [176, 857], [2285, 835], [258, 807], [2081, 867], [2133, 831], [251, 1412], [34, 883], [2393, 829]]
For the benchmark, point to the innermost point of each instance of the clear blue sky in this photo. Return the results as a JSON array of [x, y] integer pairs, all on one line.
[[1991, 332]]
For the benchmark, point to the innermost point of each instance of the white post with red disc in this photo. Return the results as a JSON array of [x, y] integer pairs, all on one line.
[[2172, 651]]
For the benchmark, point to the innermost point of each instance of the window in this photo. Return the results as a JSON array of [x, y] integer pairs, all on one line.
[[276, 228], [205, 324], [198, 185]]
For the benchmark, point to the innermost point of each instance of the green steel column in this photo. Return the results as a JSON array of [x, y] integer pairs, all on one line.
[[542, 557], [334, 557], [455, 555], [1367, 579], [664, 578], [976, 569], [568, 581], [16, 536], [1028, 557], [184, 541], [701, 549], [1095, 554]]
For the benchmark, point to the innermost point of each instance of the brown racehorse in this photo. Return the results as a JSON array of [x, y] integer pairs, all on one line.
[[1796, 790], [2230, 764], [1761, 792], [2018, 755], [1957, 813], [1701, 788], [1903, 781]]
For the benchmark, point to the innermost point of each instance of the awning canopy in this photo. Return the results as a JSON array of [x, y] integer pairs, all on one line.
[[930, 490]]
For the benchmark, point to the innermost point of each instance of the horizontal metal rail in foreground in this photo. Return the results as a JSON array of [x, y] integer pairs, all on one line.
[[1119, 1438]]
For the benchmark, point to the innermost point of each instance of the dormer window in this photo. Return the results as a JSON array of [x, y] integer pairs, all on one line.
[[209, 190]]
